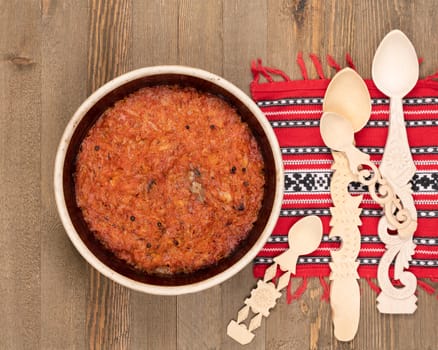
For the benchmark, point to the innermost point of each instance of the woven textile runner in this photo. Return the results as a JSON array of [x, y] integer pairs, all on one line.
[[294, 109]]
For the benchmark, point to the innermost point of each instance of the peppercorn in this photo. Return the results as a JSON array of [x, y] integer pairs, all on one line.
[[240, 207], [96, 148], [132, 218], [233, 170]]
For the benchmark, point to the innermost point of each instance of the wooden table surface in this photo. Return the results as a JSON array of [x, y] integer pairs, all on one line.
[[53, 54]]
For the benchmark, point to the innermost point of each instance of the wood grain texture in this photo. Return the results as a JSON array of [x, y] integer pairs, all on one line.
[[54, 53], [155, 42], [109, 55], [200, 34], [243, 42], [20, 185], [200, 44], [63, 271]]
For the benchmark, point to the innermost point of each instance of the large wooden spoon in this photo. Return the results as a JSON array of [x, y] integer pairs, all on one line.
[[395, 72], [347, 109]]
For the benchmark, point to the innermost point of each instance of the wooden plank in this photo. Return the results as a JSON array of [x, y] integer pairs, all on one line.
[[422, 14], [200, 44], [63, 88], [155, 42], [155, 33], [200, 28], [20, 229], [242, 42], [110, 49], [293, 27], [245, 39]]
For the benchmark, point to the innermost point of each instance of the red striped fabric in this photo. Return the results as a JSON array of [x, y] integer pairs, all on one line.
[[294, 109]]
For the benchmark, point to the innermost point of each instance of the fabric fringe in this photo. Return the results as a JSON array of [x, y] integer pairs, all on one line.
[[426, 287], [278, 72], [350, 61], [318, 65], [373, 285], [325, 289], [332, 63], [433, 76], [298, 292], [259, 70], [302, 65]]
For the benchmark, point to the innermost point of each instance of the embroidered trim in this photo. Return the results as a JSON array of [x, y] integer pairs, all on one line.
[[365, 212], [364, 239], [363, 261], [369, 150], [373, 123], [319, 100]]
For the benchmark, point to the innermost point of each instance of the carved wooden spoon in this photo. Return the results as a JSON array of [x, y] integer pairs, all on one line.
[[395, 72], [348, 99], [304, 237]]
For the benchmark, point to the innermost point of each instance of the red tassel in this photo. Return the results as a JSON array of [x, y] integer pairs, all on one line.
[[426, 287], [318, 65], [302, 66], [372, 285], [350, 61], [325, 288], [263, 71], [433, 76], [289, 292], [434, 279], [278, 72], [298, 293], [255, 72], [332, 63], [420, 60]]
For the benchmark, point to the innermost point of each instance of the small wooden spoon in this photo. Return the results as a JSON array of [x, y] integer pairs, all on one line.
[[304, 237]]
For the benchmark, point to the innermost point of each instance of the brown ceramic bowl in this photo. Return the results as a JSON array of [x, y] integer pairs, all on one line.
[[93, 251]]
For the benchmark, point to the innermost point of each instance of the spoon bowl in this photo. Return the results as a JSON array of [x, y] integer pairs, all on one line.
[[305, 236], [336, 131], [348, 96], [395, 65]]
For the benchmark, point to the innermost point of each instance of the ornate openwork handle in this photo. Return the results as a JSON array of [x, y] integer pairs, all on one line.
[[263, 298], [381, 191], [399, 246]]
